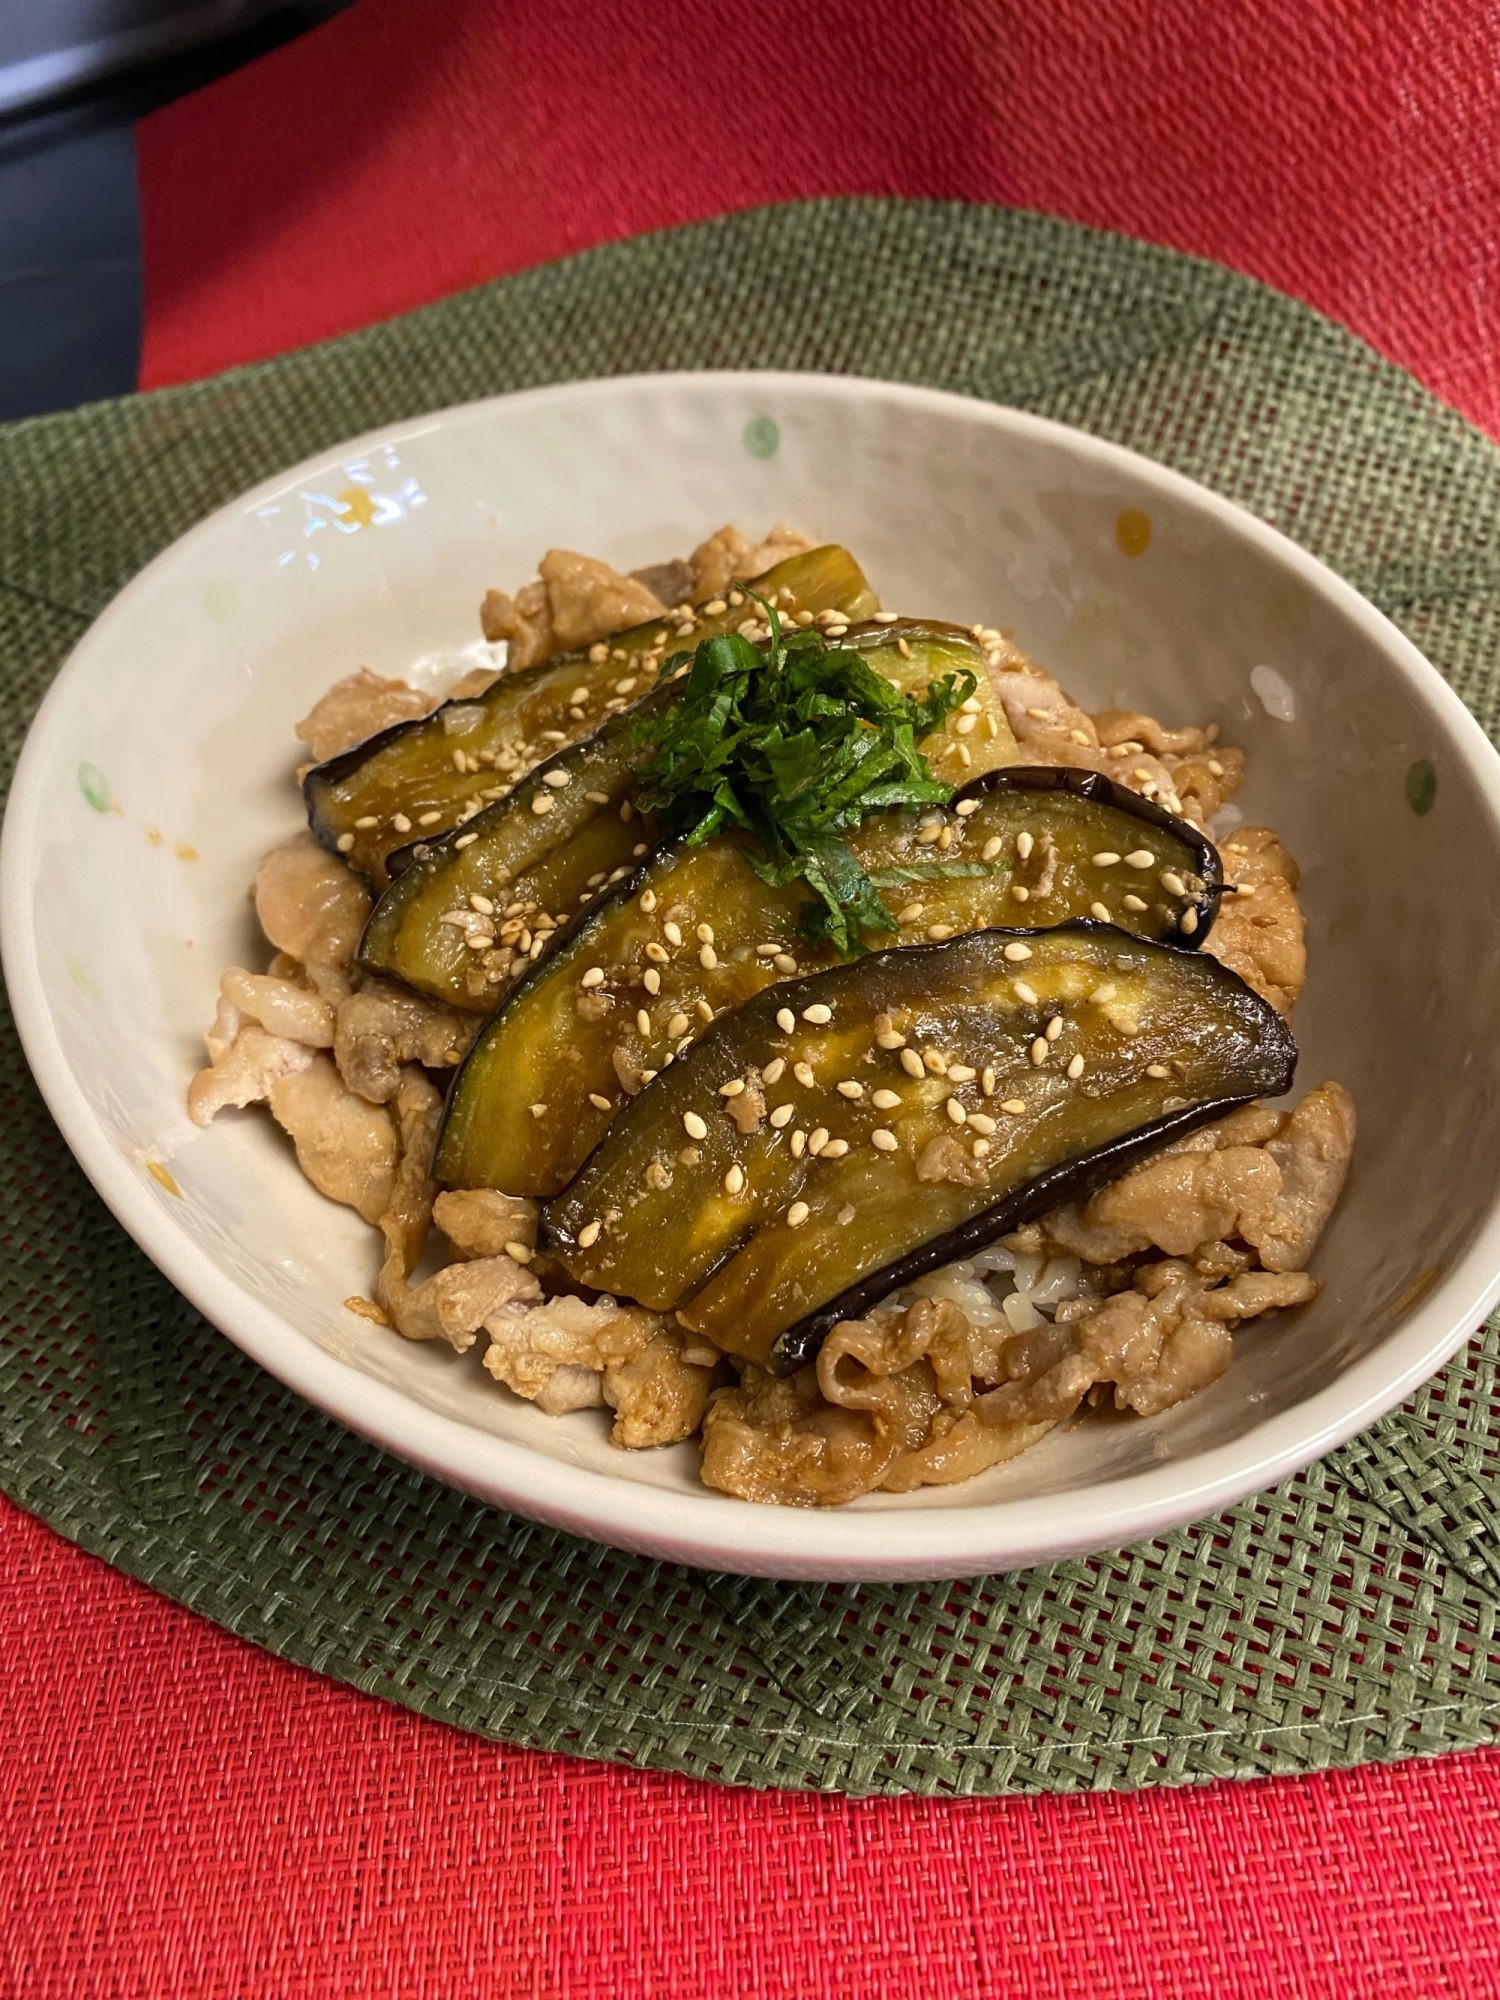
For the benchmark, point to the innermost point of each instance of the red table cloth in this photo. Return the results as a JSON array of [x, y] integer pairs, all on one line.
[[184, 1815]]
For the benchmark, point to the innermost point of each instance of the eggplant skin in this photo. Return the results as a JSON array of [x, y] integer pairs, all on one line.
[[1096, 789], [1074, 1180], [856, 1128]]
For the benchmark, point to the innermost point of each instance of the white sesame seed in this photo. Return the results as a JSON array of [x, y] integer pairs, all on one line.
[[428, 818], [481, 903], [1133, 903], [1106, 858], [651, 980], [911, 1062], [928, 834], [593, 977], [704, 933], [672, 934], [797, 1214], [884, 617], [1020, 893], [961, 1073], [401, 823], [366, 821], [817, 1140], [734, 1088], [734, 1180], [991, 848], [541, 804], [1172, 883], [1215, 767], [1017, 952], [956, 1111], [818, 1014], [519, 1252], [345, 842], [1157, 1069], [599, 1103], [1187, 923], [1101, 912], [799, 1143], [966, 807], [890, 1038], [558, 780], [911, 913], [1053, 1028], [804, 1074], [964, 725], [466, 840], [708, 958], [627, 812], [782, 1115], [903, 649], [588, 1236], [648, 900], [657, 952], [982, 1122], [1023, 992], [1141, 858], [1014, 1105], [1024, 845], [786, 1020], [835, 1149], [784, 962], [885, 1100], [597, 798], [979, 1148], [694, 1126], [987, 1083], [883, 1141], [935, 1061], [937, 932], [850, 1089], [1040, 1049], [643, 1022], [774, 1070], [678, 1025], [1101, 995], [1075, 1068]]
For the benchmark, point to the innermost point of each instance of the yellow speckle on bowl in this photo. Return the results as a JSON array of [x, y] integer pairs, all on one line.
[[1133, 532], [1417, 1289], [80, 975], [152, 834], [221, 600], [358, 507], [183, 852], [159, 1173]]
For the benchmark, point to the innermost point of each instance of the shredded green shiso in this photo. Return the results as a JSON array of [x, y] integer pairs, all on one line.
[[793, 742]]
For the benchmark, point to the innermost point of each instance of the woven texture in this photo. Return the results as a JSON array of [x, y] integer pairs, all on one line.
[[1346, 1617]]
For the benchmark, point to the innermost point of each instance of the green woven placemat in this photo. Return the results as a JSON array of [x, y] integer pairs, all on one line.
[[1348, 1615]]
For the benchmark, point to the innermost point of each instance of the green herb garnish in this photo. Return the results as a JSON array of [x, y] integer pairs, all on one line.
[[793, 742]]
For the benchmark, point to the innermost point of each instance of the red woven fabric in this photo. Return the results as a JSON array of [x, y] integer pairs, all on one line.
[[1349, 153], [185, 1816]]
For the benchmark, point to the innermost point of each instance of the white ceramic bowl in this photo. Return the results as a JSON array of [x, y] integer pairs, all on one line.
[[161, 766]]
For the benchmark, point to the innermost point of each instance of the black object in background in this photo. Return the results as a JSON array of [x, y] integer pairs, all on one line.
[[75, 75]]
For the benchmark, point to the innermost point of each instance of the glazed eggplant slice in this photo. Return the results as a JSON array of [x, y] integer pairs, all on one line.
[[902, 1110], [914, 652], [418, 929], [694, 932], [518, 870], [424, 776]]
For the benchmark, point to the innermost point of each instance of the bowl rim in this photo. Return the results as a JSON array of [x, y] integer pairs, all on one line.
[[706, 1529]]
